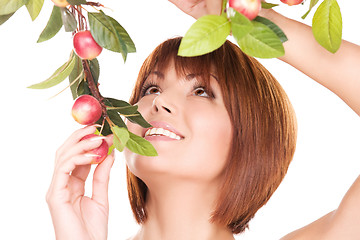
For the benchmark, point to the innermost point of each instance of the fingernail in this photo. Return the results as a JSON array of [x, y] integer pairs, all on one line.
[[93, 125], [97, 138], [91, 155]]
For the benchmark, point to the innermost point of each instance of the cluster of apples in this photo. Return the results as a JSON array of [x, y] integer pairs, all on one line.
[[87, 111], [251, 8]]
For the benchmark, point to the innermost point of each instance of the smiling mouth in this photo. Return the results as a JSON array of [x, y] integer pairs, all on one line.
[[162, 132]]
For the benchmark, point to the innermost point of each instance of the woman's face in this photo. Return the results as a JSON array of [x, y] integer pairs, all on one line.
[[192, 129]]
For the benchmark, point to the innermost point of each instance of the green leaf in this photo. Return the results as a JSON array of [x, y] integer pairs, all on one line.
[[121, 136], [140, 146], [53, 26], [109, 34], [95, 69], [120, 106], [223, 8], [312, 4], [261, 42], [83, 88], [116, 119], [127, 110], [266, 5], [327, 25], [11, 6], [130, 46], [111, 148], [4, 18], [74, 76], [59, 75], [275, 28], [240, 25], [68, 20], [76, 2], [206, 35], [138, 119], [112, 102], [34, 7]]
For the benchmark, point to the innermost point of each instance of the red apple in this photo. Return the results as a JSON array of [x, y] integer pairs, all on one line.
[[249, 8], [60, 3], [86, 110], [292, 2], [101, 151], [85, 45]]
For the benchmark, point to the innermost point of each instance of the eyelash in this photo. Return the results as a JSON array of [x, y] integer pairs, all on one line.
[[149, 84], [146, 86]]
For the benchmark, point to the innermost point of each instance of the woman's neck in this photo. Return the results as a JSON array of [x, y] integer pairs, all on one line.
[[181, 210]]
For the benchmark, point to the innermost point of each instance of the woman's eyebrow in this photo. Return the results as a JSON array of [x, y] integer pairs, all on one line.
[[158, 74], [212, 75], [193, 75]]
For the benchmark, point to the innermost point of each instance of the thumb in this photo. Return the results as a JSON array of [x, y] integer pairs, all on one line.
[[101, 180]]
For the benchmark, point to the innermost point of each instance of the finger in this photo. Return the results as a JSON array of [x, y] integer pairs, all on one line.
[[213, 7], [76, 136], [109, 139], [77, 180], [101, 180], [81, 147], [81, 172], [62, 172]]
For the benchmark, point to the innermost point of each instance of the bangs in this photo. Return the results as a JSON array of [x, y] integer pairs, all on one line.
[[200, 67]]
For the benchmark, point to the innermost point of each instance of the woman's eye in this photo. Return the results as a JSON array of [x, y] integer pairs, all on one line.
[[152, 90], [200, 91]]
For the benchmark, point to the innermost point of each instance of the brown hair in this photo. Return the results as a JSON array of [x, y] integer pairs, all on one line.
[[264, 130]]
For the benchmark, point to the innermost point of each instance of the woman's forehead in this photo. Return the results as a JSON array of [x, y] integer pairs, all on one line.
[[206, 79]]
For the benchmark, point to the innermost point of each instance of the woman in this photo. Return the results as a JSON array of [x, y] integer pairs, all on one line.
[[184, 193]]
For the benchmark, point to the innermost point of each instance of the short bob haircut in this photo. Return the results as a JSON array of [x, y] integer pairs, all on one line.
[[264, 130]]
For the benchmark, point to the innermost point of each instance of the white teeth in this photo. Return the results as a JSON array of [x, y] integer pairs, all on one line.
[[161, 131], [167, 133], [153, 131], [172, 135]]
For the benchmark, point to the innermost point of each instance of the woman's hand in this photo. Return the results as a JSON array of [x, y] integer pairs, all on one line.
[[74, 215], [198, 8]]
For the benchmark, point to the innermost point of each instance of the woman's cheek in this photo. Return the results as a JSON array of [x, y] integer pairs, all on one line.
[[143, 108]]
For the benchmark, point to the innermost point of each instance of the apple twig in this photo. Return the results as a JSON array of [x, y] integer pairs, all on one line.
[[93, 87]]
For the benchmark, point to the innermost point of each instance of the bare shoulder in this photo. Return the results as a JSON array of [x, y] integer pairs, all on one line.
[[342, 223], [314, 230]]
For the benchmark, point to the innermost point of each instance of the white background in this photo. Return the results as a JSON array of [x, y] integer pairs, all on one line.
[[326, 162]]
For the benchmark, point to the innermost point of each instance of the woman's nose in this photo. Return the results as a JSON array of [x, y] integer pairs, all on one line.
[[162, 104]]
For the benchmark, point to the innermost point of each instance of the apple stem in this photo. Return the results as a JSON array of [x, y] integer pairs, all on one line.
[[110, 122], [93, 87], [81, 19], [102, 126]]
